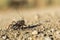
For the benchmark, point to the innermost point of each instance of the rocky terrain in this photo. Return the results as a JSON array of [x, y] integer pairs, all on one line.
[[30, 24]]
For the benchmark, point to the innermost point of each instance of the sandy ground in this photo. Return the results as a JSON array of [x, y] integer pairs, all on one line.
[[6, 17], [48, 17]]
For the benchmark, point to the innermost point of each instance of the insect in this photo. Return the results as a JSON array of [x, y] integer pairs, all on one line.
[[17, 25], [20, 25]]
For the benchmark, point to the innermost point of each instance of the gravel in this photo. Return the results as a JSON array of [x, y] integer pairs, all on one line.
[[30, 32]]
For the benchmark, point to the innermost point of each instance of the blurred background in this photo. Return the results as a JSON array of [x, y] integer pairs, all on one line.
[[10, 10], [4, 4]]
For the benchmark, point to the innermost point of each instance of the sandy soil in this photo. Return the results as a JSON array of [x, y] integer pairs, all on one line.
[[30, 16], [6, 17]]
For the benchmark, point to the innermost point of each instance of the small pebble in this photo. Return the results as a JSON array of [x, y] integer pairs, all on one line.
[[4, 37], [34, 32], [29, 38], [47, 38]]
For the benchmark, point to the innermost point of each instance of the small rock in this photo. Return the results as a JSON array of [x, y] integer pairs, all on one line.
[[57, 34], [4, 37], [34, 32], [47, 38], [7, 39], [29, 38]]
